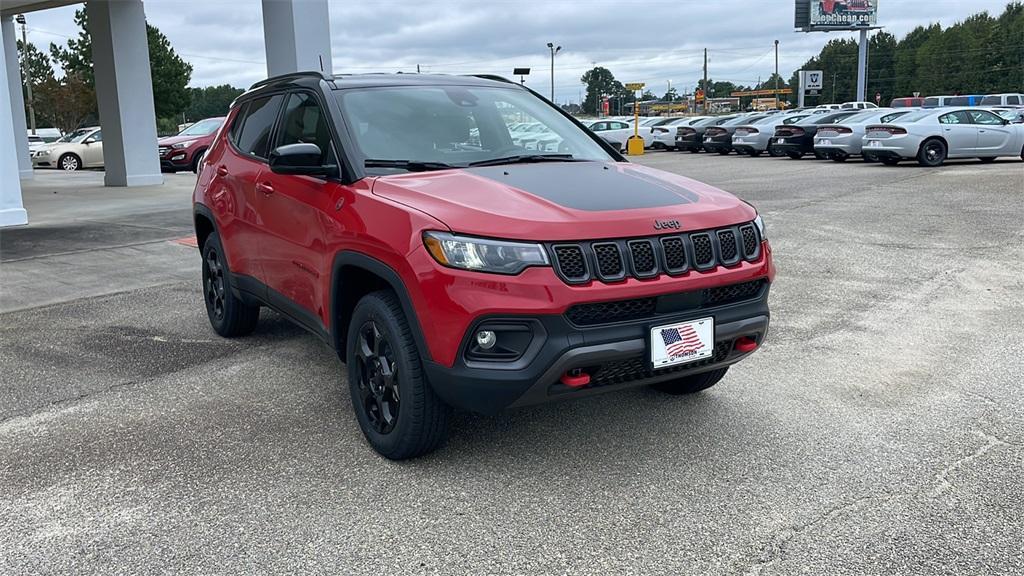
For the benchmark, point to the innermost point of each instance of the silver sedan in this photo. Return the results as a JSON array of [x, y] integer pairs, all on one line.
[[840, 141], [933, 135], [753, 139]]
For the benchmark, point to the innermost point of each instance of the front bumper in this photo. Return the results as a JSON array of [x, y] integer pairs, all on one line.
[[614, 355], [176, 160]]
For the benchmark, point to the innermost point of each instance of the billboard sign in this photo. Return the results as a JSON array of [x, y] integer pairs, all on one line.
[[836, 14]]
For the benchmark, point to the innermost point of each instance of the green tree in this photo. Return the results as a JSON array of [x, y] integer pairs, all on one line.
[[600, 82], [66, 103], [211, 101], [170, 74]]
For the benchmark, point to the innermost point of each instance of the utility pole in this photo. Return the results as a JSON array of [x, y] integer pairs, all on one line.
[[705, 81], [776, 74], [554, 50], [20, 18]]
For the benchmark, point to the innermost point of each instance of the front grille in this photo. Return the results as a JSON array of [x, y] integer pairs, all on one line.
[[727, 240], [606, 260], [631, 369], [571, 263], [609, 261], [595, 313]]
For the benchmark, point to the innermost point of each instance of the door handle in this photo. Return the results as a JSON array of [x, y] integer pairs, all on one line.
[[222, 170], [265, 187]]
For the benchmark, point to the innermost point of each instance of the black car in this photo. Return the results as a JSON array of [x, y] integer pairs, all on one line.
[[797, 139], [719, 138], [692, 137]]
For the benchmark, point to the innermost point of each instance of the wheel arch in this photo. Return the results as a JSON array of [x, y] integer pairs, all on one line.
[[205, 223], [353, 275]]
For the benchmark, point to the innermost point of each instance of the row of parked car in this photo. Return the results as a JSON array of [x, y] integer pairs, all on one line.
[[83, 148], [887, 135]]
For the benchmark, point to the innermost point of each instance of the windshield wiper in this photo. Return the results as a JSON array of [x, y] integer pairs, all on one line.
[[410, 165], [525, 158]]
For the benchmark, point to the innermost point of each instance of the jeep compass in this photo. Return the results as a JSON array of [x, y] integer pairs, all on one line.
[[396, 218]]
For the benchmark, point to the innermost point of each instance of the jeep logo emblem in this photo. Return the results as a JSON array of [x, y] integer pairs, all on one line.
[[666, 224]]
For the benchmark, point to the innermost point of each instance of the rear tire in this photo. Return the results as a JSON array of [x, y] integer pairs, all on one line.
[[229, 315], [819, 156], [868, 158], [838, 157], [397, 410], [754, 153], [795, 155], [691, 384], [724, 151], [890, 161], [775, 153], [932, 153]]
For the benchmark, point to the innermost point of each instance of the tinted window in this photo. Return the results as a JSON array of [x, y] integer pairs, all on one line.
[[236, 124], [954, 118], [958, 101], [1013, 99], [991, 101], [254, 138], [984, 117], [599, 126], [304, 122]]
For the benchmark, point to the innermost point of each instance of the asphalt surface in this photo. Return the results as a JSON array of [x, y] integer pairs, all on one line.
[[880, 430]]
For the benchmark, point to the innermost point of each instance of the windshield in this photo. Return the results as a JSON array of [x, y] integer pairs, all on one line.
[[459, 125], [77, 136], [202, 128]]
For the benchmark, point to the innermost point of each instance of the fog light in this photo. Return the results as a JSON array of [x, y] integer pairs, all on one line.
[[486, 339]]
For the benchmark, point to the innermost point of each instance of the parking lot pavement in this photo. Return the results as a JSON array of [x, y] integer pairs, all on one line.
[[880, 430]]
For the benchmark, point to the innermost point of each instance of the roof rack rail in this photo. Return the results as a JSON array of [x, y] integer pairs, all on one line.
[[494, 77], [290, 76]]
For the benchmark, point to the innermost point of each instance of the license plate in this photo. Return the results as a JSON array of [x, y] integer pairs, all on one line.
[[826, 142], [739, 140], [681, 343], [780, 140], [875, 144], [707, 139]]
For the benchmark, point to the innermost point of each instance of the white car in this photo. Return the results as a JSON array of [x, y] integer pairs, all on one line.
[[858, 105], [83, 148], [35, 142], [612, 131], [755, 138], [932, 136], [840, 141], [665, 134]]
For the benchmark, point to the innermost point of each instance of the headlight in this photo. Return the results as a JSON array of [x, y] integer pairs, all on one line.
[[43, 153], [760, 226], [184, 144], [483, 254]]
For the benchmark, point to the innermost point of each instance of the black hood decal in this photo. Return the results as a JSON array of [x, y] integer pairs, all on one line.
[[593, 186]]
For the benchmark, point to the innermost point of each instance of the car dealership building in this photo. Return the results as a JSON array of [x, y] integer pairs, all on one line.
[[296, 37]]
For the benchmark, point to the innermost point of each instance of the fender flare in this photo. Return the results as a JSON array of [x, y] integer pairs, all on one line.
[[391, 277]]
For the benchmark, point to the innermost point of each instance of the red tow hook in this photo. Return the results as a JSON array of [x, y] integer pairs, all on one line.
[[575, 378], [745, 344]]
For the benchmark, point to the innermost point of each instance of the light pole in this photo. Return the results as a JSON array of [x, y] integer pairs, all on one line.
[[20, 19], [776, 74], [554, 50]]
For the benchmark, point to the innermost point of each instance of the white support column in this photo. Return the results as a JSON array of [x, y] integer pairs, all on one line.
[[17, 99], [12, 211], [862, 66], [297, 36], [124, 92]]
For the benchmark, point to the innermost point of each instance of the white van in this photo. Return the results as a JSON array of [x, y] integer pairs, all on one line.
[[1003, 100]]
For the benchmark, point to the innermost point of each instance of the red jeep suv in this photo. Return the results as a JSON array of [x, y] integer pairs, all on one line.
[[401, 220]]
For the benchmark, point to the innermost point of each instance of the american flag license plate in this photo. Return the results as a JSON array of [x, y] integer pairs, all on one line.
[[683, 342]]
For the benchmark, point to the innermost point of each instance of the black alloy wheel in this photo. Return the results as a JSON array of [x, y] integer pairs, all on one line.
[[932, 153], [378, 378], [214, 284]]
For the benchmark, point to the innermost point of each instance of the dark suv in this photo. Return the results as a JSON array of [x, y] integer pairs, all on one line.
[[394, 217]]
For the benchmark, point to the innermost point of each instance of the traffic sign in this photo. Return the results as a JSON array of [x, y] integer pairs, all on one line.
[[634, 86]]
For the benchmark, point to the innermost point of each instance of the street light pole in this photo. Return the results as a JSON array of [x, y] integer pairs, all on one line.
[[776, 74], [554, 50], [20, 19]]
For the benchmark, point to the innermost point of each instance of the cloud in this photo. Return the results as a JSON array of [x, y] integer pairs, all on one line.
[[650, 41]]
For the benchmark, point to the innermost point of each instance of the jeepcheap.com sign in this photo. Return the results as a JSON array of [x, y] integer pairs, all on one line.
[[843, 13]]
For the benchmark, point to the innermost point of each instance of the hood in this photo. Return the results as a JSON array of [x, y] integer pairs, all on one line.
[[168, 140], [564, 200]]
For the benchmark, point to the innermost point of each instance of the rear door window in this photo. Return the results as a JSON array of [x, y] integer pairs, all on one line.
[[254, 138], [954, 118]]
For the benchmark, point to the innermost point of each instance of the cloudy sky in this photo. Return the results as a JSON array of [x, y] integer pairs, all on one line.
[[652, 41]]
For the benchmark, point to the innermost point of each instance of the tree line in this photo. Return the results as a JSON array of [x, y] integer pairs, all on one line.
[[980, 55], [68, 101]]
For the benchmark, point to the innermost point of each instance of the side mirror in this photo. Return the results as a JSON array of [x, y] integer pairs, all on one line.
[[302, 159], [89, 140]]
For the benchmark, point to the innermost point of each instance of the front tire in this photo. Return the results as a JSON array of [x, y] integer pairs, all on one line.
[[691, 384], [932, 153], [70, 162], [230, 316], [397, 409], [197, 161]]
